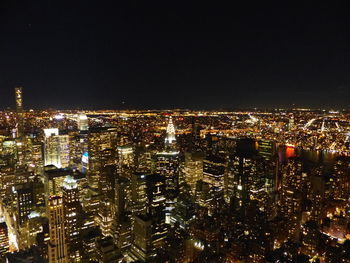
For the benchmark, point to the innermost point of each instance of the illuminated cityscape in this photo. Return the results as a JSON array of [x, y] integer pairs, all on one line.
[[169, 132], [174, 186]]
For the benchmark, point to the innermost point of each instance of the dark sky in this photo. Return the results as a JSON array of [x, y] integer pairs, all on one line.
[[173, 54]]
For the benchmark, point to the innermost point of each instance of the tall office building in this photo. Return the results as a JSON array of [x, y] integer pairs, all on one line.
[[72, 214], [19, 110], [4, 240], [107, 252], [57, 247], [19, 99], [123, 205], [126, 160], [54, 180], [122, 196], [213, 173], [138, 193], [167, 165], [149, 227], [250, 174], [247, 178], [193, 169], [37, 158], [105, 216], [293, 179], [25, 202], [56, 148], [102, 152], [83, 122], [170, 138]]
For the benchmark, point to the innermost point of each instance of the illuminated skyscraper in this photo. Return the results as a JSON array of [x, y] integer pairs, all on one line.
[[19, 101], [291, 195], [52, 147], [102, 152], [4, 240], [122, 233], [193, 169], [37, 158], [170, 138], [149, 225], [167, 165], [126, 159], [54, 179], [72, 214], [25, 202], [213, 173], [56, 148], [57, 248], [83, 122], [19, 110], [104, 218]]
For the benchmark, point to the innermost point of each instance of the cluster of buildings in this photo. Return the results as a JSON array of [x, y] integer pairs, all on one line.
[[112, 187]]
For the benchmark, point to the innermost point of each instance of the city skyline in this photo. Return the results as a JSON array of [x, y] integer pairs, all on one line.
[[146, 132], [174, 186]]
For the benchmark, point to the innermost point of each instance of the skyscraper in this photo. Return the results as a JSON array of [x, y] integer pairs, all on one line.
[[213, 173], [83, 122], [25, 202], [102, 151], [170, 138], [126, 160], [167, 165], [19, 110], [56, 148], [193, 169], [4, 240], [52, 148], [149, 224], [19, 102], [57, 248], [72, 214]]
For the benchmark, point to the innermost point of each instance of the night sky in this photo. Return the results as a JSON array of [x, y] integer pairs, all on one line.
[[173, 54]]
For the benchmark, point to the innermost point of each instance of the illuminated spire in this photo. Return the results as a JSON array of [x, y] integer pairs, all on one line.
[[170, 132]]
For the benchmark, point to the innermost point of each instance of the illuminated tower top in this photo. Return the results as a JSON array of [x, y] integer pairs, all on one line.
[[82, 121], [19, 100], [70, 183], [19, 110], [170, 133]]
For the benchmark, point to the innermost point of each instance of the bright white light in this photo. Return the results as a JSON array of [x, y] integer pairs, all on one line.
[[83, 117], [59, 117], [13, 241], [51, 132]]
